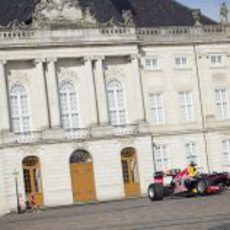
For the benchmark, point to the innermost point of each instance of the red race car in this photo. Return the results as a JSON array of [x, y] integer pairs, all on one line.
[[175, 182]]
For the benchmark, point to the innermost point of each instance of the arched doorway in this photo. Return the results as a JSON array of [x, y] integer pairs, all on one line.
[[82, 175], [32, 178], [130, 172]]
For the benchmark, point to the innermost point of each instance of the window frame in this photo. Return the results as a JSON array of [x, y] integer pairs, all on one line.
[[187, 110], [226, 151], [192, 152], [157, 110], [70, 113], [179, 62], [20, 114], [216, 63], [115, 106], [152, 65], [161, 154], [220, 111]]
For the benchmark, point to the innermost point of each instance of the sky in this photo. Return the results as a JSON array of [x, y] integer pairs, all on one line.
[[210, 8]]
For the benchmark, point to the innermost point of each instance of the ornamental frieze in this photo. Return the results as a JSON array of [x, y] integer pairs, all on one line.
[[59, 12], [67, 74], [15, 76], [114, 72]]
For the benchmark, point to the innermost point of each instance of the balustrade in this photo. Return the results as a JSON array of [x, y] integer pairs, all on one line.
[[125, 130], [28, 137], [106, 33], [77, 134]]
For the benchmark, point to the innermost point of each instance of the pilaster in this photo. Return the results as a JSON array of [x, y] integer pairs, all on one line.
[[45, 117], [91, 88], [4, 103], [134, 61], [52, 93], [101, 91]]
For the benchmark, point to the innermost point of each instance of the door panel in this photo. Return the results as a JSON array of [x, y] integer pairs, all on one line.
[[130, 176], [83, 184], [33, 183]]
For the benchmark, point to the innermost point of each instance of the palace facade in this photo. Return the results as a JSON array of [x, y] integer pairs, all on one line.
[[97, 95]]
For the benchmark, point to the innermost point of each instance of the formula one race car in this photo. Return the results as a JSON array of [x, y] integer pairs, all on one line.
[[173, 182]]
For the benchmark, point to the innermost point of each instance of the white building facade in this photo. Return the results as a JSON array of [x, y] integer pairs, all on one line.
[[90, 113]]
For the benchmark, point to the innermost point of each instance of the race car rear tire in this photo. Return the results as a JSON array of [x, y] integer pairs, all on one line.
[[202, 186], [155, 192]]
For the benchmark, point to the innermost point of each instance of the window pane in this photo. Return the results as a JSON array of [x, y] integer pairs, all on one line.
[[19, 109], [226, 152], [27, 181], [162, 158], [186, 106], [116, 103], [125, 171], [191, 152], [134, 171], [69, 106], [222, 103], [157, 110]]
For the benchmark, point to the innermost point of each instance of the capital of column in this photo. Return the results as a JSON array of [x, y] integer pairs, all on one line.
[[98, 58], [51, 60], [3, 62], [87, 58], [39, 61], [93, 58], [134, 57]]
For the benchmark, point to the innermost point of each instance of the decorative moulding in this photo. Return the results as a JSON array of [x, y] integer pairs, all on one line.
[[61, 12]]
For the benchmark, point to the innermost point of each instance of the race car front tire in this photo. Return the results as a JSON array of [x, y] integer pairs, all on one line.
[[156, 192], [202, 186]]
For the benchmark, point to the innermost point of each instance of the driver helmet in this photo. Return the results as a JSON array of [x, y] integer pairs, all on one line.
[[193, 163]]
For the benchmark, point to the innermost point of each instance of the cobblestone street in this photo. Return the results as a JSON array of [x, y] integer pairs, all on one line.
[[211, 212]]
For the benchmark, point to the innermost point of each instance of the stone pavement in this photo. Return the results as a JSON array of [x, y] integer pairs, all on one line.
[[211, 212]]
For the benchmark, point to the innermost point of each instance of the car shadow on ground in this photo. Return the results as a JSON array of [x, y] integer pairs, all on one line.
[[221, 227]]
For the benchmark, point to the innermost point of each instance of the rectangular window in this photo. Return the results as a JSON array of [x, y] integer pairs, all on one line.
[[226, 152], [162, 158], [181, 62], [69, 106], [186, 106], [222, 103], [157, 108], [216, 60], [116, 104], [191, 152], [19, 109], [150, 63]]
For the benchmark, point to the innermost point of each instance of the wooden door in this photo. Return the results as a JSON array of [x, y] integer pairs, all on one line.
[[83, 184], [130, 172], [32, 179]]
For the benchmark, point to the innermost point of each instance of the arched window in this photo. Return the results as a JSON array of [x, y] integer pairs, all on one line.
[[116, 103], [69, 106], [19, 109]]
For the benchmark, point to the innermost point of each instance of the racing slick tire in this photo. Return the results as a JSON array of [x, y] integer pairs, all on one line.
[[155, 192], [202, 185]]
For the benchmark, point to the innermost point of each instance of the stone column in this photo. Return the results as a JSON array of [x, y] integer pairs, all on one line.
[[4, 104], [101, 91], [52, 93], [93, 105], [43, 97], [139, 88]]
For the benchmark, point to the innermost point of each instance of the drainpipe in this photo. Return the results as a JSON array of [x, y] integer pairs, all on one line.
[[153, 145], [204, 132]]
